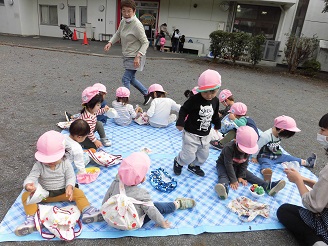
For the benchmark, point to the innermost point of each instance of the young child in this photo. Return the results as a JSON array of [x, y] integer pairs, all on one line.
[[269, 152], [190, 93], [227, 100], [237, 114], [162, 42], [103, 92], [132, 172], [233, 161], [78, 131], [91, 102], [56, 175], [202, 110], [160, 108], [182, 40], [124, 110]]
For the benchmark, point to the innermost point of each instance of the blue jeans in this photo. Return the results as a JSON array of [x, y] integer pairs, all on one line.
[[102, 117], [163, 208], [267, 163], [129, 78]]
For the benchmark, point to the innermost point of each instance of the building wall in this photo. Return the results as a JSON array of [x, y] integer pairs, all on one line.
[[10, 18]]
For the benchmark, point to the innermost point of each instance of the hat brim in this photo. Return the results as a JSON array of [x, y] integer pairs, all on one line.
[[248, 150], [48, 159], [293, 129], [203, 89]]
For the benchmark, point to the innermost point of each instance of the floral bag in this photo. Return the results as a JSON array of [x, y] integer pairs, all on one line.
[[142, 119], [103, 158]]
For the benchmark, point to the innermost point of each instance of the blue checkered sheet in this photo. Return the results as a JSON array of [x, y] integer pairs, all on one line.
[[210, 214]]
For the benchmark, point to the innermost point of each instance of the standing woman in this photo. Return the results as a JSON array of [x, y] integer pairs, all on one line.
[[309, 225], [134, 46]]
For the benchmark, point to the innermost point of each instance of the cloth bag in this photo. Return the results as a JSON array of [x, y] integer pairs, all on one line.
[[60, 222], [91, 175], [103, 158], [247, 209], [142, 119], [227, 125], [119, 211]]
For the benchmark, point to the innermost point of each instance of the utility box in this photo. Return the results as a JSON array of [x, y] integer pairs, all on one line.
[[88, 29], [271, 49]]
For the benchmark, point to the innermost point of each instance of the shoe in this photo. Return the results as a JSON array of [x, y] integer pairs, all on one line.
[[68, 116], [106, 142], [91, 215], [177, 168], [186, 203], [274, 187], [311, 161], [267, 174], [216, 144], [196, 170], [222, 191], [147, 99], [27, 227]]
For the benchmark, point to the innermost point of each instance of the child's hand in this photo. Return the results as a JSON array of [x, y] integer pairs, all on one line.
[[293, 176], [254, 160], [106, 108], [69, 192], [30, 187], [234, 185], [98, 144], [180, 128], [243, 181], [232, 116], [166, 224], [220, 115]]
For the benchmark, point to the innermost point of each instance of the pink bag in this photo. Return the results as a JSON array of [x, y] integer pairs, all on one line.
[[91, 175]]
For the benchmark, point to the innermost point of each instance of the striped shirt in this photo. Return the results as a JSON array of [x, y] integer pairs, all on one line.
[[125, 113], [91, 119]]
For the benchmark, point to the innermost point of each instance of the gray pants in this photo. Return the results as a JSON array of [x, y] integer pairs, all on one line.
[[195, 149], [87, 144]]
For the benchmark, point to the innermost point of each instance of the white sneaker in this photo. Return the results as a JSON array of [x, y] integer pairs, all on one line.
[[27, 227], [106, 142], [91, 215]]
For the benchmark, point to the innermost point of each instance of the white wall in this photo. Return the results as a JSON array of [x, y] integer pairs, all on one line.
[[10, 18], [29, 17]]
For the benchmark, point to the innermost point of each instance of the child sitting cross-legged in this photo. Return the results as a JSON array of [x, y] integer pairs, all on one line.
[[131, 173], [233, 161]]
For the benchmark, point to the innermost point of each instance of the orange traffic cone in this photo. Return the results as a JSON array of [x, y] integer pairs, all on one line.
[[74, 38], [85, 39]]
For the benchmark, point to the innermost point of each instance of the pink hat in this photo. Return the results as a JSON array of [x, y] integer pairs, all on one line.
[[287, 123], [246, 138], [224, 94], [194, 90], [134, 168], [50, 147], [122, 92], [89, 93], [238, 108], [100, 87], [209, 80], [155, 87]]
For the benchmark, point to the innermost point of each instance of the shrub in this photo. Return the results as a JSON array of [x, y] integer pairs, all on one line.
[[255, 48], [218, 43], [238, 42], [311, 67]]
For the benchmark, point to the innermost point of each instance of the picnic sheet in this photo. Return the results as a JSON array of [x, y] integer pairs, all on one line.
[[210, 214]]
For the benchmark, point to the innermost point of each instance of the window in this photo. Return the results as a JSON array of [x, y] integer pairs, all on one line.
[[48, 15], [71, 16], [2, 2], [83, 14]]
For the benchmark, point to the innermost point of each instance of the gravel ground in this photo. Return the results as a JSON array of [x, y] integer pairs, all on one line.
[[39, 85]]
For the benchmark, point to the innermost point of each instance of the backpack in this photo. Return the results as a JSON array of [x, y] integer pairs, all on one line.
[[119, 211], [250, 122], [103, 158], [60, 222]]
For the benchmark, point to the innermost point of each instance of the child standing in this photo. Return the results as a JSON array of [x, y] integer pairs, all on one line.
[[202, 110], [78, 131], [91, 102], [131, 173], [227, 100], [56, 175], [161, 106], [103, 92], [182, 40], [162, 42], [269, 147], [233, 161], [124, 110]]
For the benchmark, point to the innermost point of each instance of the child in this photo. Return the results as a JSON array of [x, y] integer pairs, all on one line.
[[182, 40], [202, 110], [103, 92], [162, 42], [132, 172], [238, 116], [269, 146], [124, 110], [233, 161], [160, 108], [227, 100], [91, 102], [56, 175], [78, 131]]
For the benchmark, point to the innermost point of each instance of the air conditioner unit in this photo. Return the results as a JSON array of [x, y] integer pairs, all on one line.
[[271, 49]]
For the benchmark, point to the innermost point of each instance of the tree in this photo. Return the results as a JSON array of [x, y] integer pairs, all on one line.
[[238, 42], [218, 43], [255, 48], [325, 9]]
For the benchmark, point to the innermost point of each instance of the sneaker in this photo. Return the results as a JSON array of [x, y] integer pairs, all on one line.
[[216, 144], [186, 203], [196, 170], [222, 191], [106, 142], [311, 161], [27, 227], [68, 116], [177, 168], [91, 215], [274, 187], [147, 99]]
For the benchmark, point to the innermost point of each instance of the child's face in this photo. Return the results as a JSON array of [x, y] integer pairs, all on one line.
[[324, 131], [95, 109], [209, 95], [52, 164]]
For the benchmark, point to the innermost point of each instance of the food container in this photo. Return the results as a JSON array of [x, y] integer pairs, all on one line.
[[258, 191]]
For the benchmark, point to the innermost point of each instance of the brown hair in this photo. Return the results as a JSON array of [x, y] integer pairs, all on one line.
[[128, 4], [123, 100]]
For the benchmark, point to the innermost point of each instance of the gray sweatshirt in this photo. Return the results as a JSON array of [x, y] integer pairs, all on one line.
[[138, 194]]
